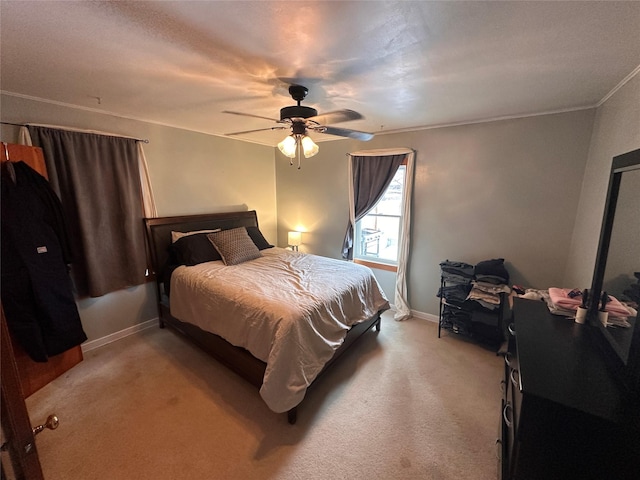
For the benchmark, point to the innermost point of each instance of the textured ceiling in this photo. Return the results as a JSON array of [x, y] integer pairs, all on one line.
[[402, 65]]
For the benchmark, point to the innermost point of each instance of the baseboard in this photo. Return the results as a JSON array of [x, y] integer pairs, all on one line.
[[421, 315], [99, 342], [425, 316]]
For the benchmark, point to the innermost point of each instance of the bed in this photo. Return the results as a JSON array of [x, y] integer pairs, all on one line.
[[279, 319]]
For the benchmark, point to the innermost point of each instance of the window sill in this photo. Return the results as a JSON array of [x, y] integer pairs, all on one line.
[[377, 265]]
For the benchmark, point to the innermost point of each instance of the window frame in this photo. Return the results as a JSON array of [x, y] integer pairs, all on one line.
[[372, 262]]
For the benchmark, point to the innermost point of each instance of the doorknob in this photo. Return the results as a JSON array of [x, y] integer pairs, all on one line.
[[51, 423]]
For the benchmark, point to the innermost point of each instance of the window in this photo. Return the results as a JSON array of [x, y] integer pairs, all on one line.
[[378, 232]]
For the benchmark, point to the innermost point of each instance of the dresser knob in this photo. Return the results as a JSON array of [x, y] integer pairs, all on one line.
[[516, 382], [51, 423], [507, 358], [506, 415]]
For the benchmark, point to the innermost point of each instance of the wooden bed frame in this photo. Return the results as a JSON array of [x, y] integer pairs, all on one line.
[[237, 359]]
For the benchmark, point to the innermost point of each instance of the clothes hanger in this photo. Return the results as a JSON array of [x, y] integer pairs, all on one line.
[[9, 164]]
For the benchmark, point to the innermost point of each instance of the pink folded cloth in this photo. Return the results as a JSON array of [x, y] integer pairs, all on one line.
[[561, 298]]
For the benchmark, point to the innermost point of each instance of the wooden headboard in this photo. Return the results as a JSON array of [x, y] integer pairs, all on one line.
[[159, 231]]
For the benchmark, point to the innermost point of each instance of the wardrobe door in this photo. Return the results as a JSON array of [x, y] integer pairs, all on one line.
[[35, 375], [32, 156], [19, 451]]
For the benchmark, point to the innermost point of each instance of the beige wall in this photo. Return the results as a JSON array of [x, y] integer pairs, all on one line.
[[616, 130], [507, 189], [190, 173]]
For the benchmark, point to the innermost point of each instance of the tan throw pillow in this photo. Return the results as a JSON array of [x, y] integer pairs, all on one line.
[[175, 236], [234, 245]]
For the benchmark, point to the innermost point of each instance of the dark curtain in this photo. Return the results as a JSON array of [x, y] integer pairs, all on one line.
[[97, 178], [371, 177]]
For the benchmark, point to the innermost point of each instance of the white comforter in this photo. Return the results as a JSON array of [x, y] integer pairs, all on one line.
[[291, 310]]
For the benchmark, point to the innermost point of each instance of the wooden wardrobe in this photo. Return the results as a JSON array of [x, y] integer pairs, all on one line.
[[35, 375]]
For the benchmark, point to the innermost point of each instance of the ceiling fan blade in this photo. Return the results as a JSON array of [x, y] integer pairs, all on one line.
[[251, 115], [343, 132], [257, 130], [335, 117]]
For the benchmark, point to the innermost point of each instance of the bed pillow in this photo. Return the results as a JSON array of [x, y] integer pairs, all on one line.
[[258, 238], [234, 245], [193, 249], [175, 236]]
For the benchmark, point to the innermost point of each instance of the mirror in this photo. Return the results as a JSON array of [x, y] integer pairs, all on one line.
[[617, 269]]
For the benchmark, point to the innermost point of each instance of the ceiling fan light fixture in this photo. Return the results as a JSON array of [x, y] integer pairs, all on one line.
[[309, 147], [288, 146], [300, 118]]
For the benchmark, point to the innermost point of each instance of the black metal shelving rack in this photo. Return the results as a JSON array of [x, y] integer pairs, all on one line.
[[466, 328]]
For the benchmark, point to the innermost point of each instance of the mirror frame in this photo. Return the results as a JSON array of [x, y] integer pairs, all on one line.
[[625, 364]]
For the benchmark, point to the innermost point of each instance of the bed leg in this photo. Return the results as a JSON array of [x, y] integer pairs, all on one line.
[[378, 322], [292, 415]]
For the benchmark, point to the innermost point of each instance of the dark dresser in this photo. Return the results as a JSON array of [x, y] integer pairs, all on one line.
[[563, 414]]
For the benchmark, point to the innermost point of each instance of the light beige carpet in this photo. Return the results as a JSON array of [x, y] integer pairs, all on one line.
[[403, 405]]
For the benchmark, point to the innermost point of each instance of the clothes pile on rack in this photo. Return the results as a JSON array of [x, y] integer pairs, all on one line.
[[491, 279], [492, 272], [471, 298], [455, 285], [457, 272]]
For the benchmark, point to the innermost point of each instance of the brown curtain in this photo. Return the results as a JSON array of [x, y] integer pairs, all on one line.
[[371, 177], [98, 180]]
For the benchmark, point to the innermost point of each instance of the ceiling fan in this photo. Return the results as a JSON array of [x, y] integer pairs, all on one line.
[[300, 119]]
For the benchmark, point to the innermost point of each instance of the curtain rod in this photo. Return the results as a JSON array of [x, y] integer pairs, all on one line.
[[26, 125]]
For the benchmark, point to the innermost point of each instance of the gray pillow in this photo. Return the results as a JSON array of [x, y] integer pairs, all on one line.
[[258, 238], [234, 245]]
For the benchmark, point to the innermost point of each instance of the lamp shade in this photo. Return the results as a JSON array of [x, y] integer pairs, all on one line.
[[309, 147], [294, 238], [288, 146]]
